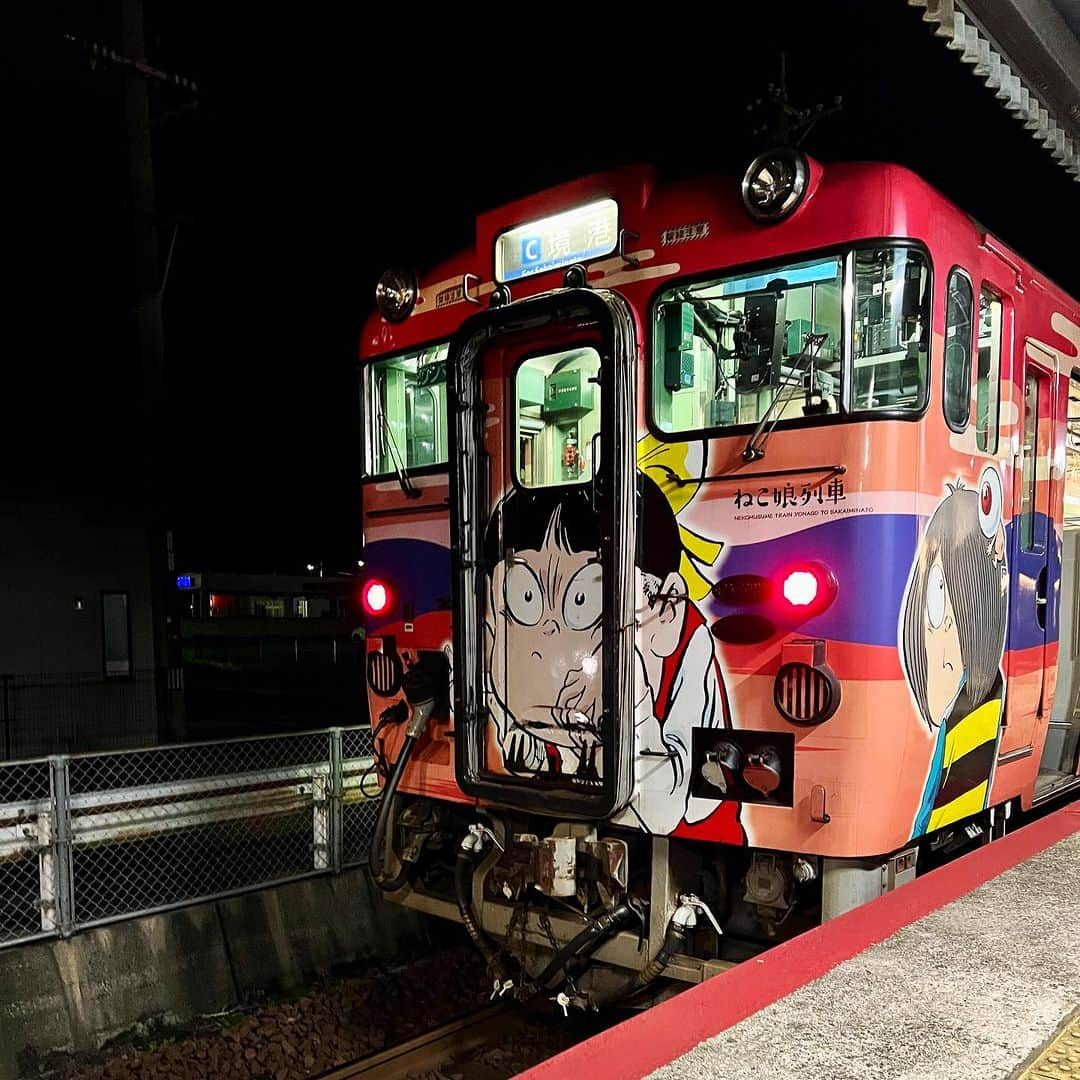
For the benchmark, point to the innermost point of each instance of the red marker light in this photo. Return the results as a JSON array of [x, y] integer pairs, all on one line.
[[377, 597], [800, 588], [808, 588]]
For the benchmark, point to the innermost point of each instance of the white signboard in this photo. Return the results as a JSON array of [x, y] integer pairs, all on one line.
[[574, 236]]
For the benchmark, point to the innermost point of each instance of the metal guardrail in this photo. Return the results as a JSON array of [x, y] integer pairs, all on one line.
[[87, 839]]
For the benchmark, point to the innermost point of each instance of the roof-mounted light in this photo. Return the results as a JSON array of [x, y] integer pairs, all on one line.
[[775, 184], [396, 294]]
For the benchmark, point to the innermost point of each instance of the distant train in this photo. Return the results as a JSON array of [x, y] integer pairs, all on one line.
[[720, 563]]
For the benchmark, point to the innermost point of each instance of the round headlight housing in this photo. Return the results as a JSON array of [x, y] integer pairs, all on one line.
[[775, 184], [396, 294]]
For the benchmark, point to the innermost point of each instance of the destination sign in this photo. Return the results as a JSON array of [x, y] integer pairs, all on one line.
[[574, 236]]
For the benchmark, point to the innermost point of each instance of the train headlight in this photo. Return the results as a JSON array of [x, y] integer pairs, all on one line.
[[396, 294], [808, 588], [800, 588], [775, 184], [377, 597]]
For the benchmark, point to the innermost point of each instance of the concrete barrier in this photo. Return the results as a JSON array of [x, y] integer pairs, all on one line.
[[166, 970]]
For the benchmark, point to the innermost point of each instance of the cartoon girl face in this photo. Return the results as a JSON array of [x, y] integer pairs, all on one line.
[[544, 626], [944, 660]]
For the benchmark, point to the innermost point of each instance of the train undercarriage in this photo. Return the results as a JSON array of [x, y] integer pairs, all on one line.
[[591, 914]]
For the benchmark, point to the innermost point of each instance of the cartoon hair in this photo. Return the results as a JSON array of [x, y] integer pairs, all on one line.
[[980, 607], [676, 469], [525, 516]]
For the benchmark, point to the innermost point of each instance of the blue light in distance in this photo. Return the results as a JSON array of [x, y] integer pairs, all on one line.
[[183, 581]]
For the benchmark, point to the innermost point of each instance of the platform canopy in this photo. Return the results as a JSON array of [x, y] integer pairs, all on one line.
[[1028, 53]]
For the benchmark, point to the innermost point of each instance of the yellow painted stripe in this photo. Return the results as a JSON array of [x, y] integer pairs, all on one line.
[[1060, 1060], [978, 727], [971, 802]]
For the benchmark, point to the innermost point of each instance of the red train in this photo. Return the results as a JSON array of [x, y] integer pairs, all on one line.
[[719, 562]]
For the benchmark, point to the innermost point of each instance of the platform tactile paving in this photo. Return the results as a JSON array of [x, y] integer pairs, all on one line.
[[1061, 1059]]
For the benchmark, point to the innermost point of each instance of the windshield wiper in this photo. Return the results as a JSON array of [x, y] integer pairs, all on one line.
[[755, 446], [395, 456]]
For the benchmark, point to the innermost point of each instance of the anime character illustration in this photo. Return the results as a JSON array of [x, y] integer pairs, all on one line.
[[952, 638], [543, 628]]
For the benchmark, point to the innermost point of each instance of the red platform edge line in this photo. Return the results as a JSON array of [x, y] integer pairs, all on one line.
[[654, 1038]]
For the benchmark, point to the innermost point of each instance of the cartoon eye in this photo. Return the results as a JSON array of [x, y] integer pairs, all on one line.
[[524, 598], [990, 502], [935, 596], [584, 599]]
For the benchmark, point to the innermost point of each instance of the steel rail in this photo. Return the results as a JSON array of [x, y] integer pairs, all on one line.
[[426, 1052]]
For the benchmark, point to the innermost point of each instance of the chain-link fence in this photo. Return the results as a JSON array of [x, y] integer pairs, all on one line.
[[91, 838]]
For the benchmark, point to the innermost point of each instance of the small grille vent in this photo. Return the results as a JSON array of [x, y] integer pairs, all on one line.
[[384, 673], [805, 694]]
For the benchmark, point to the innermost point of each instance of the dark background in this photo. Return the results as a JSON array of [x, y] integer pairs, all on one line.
[[323, 149]]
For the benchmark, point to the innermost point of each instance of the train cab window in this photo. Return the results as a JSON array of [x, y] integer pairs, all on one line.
[[988, 372], [891, 332], [558, 417], [405, 410], [732, 350], [771, 345], [958, 338]]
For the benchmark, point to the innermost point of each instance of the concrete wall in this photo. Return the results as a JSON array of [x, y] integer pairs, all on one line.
[[54, 551], [167, 969]]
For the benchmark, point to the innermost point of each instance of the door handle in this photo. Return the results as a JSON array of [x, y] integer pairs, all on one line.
[[1040, 597], [594, 464]]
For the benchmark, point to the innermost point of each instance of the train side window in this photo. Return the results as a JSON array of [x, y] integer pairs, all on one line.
[[1029, 481], [958, 338], [988, 372], [405, 411], [890, 338], [1072, 465]]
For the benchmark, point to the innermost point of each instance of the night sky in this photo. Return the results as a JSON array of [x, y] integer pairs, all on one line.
[[324, 148]]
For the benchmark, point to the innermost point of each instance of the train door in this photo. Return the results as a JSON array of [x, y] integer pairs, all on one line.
[[542, 501], [1033, 556], [1061, 752]]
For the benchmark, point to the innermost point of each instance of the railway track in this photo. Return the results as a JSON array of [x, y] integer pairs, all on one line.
[[428, 1051]]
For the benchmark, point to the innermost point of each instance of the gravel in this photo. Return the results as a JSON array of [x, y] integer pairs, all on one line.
[[297, 1039]]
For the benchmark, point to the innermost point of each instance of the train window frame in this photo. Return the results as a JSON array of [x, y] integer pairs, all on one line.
[[365, 374], [987, 429], [953, 422], [1030, 540], [844, 251], [895, 320], [513, 428]]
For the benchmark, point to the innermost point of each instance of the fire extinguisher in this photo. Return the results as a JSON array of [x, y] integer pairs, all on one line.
[[569, 456]]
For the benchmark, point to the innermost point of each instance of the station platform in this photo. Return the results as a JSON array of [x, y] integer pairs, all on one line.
[[969, 973]]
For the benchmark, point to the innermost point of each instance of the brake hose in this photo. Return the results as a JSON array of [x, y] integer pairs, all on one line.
[[389, 797]]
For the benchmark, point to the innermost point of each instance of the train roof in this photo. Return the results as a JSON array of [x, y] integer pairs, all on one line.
[[704, 221]]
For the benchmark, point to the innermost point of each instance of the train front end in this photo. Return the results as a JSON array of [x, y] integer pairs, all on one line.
[[650, 582]]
